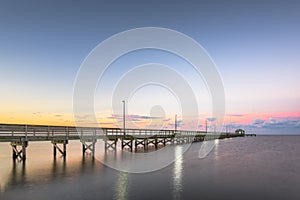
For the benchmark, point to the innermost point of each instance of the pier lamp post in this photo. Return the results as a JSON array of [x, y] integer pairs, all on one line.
[[175, 122], [124, 117]]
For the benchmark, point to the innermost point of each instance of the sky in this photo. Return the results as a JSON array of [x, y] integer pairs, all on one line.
[[254, 45]]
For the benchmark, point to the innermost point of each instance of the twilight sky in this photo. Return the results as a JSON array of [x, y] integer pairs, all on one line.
[[255, 46]]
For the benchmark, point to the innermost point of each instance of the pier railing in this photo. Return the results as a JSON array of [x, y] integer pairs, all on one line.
[[12, 132], [19, 135], [17, 132]]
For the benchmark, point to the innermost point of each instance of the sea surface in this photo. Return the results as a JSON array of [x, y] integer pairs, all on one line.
[[262, 167]]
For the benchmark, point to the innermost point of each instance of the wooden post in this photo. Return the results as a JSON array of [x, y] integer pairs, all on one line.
[[65, 150], [24, 152], [89, 144], [19, 153], [14, 153], [67, 133], [56, 147], [146, 144], [26, 132], [135, 145], [93, 150], [54, 150], [83, 149]]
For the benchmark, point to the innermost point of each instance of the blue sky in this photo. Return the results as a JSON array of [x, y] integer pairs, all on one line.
[[255, 46]]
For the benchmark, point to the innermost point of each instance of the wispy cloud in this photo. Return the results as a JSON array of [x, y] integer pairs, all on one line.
[[84, 116], [36, 113], [211, 119], [281, 123], [133, 117], [271, 125], [258, 122], [235, 115]]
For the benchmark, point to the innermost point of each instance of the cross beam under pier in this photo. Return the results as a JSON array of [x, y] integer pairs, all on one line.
[[88, 144], [62, 150], [19, 153]]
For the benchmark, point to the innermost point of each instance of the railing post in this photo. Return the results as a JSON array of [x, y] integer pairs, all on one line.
[[67, 133], [26, 131]]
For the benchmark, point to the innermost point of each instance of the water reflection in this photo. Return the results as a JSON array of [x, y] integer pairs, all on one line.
[[59, 165], [216, 147], [30, 173], [177, 173], [18, 173], [86, 160], [250, 167], [122, 186]]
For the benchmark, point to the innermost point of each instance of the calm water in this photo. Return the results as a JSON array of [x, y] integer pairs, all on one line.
[[263, 167]]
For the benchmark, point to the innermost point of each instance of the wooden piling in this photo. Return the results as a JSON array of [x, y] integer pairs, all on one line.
[[88, 144], [63, 150], [16, 153]]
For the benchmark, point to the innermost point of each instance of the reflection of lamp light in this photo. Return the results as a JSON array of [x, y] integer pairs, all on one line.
[[122, 186], [216, 152], [177, 176]]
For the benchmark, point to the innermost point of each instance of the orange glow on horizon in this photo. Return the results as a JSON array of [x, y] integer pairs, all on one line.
[[67, 119]]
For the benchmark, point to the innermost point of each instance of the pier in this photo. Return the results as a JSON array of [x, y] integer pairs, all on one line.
[[20, 135]]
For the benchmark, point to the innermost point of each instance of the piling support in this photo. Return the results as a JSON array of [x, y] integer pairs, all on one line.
[[88, 144], [54, 150], [19, 153], [140, 141], [62, 150], [127, 142], [146, 144], [110, 142], [156, 143]]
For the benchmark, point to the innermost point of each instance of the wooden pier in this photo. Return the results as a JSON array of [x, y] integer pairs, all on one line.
[[19, 135]]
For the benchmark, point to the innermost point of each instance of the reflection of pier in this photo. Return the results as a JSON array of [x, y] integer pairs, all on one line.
[[22, 174], [131, 139]]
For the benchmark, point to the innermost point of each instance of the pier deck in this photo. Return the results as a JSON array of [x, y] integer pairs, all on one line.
[[19, 135]]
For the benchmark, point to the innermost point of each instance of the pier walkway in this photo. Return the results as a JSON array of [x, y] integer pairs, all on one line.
[[19, 136]]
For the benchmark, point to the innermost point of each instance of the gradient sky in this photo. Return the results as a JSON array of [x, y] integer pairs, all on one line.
[[255, 46]]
